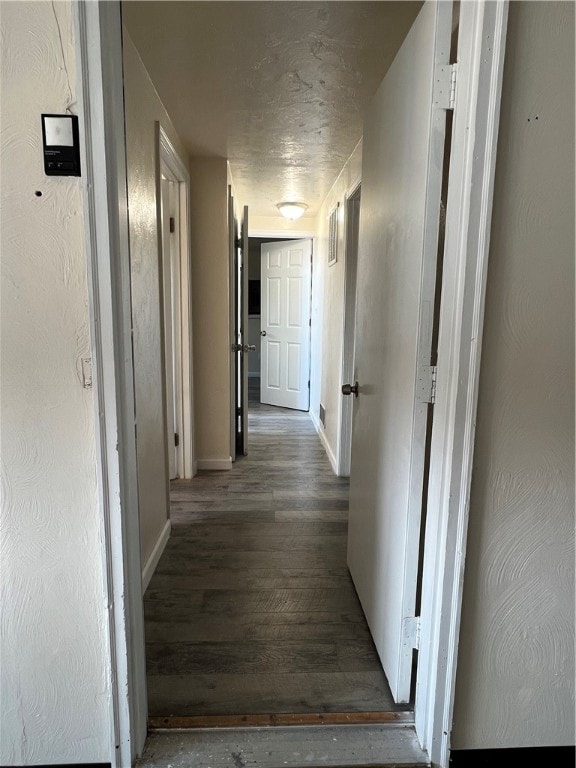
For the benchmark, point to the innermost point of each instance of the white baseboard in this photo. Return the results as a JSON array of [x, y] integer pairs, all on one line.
[[324, 441], [155, 556], [216, 464], [314, 419]]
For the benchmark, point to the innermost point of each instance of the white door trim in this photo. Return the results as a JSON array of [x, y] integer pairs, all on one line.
[[171, 164], [101, 108], [481, 47]]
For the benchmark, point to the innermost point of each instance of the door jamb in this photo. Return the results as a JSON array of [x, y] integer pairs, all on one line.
[[481, 48], [98, 28], [169, 160]]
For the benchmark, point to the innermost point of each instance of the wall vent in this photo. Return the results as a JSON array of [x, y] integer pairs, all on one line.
[[322, 415]]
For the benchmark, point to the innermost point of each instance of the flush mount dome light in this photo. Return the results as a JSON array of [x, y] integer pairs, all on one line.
[[291, 210]]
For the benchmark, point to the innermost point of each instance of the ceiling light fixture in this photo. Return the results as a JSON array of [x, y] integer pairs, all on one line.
[[291, 211]]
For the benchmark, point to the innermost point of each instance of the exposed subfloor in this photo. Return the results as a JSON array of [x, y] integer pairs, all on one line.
[[252, 609], [290, 747]]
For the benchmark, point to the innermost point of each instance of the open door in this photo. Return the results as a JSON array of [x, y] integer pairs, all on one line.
[[239, 331], [246, 348], [285, 323], [172, 319], [403, 148]]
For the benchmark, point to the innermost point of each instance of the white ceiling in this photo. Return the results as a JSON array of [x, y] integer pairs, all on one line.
[[278, 87]]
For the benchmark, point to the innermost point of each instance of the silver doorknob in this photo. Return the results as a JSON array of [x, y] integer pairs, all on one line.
[[262, 333], [249, 347], [349, 389]]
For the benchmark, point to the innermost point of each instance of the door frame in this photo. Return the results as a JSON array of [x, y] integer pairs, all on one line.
[[482, 38], [98, 33], [481, 49], [347, 371], [169, 162]]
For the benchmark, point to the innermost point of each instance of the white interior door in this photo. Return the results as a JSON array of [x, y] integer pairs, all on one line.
[[403, 145], [172, 318], [285, 323]]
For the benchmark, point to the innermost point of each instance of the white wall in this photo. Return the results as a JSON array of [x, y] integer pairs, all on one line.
[[328, 309], [278, 227], [143, 109], [55, 694], [210, 309], [515, 678]]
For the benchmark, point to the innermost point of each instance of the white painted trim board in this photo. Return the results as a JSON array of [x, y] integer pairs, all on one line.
[[481, 48], [215, 464], [324, 440], [101, 108]]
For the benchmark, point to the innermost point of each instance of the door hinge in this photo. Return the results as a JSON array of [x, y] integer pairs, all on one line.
[[310, 323], [87, 372], [445, 86], [176, 439], [426, 384], [412, 631], [308, 383], [172, 224]]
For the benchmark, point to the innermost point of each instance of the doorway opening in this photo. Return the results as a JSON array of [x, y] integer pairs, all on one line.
[[279, 309]]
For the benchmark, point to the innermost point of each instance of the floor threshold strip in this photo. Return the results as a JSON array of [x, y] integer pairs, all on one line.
[[278, 719]]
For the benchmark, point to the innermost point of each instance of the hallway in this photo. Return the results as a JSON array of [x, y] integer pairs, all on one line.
[[251, 609]]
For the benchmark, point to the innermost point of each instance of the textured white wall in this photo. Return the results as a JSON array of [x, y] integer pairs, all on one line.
[[515, 679], [210, 308], [328, 306], [143, 108], [55, 694]]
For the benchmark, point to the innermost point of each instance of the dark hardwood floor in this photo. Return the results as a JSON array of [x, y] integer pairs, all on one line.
[[251, 609]]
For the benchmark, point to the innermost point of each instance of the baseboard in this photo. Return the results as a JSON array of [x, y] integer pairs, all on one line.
[[215, 464], [504, 758], [324, 441], [315, 421], [194, 468], [155, 556]]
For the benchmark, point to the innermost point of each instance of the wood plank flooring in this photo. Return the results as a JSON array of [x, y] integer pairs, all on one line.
[[251, 609]]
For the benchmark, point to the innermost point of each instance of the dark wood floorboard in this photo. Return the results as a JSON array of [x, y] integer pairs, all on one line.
[[252, 609]]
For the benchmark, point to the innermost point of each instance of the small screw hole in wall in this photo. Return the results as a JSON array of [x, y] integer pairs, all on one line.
[[38, 193]]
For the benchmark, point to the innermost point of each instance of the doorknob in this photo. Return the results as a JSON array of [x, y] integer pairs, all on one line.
[[262, 333], [348, 389], [249, 348]]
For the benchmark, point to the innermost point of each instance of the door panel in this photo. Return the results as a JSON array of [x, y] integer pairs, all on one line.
[[243, 380], [285, 355], [403, 145], [172, 329], [233, 316]]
